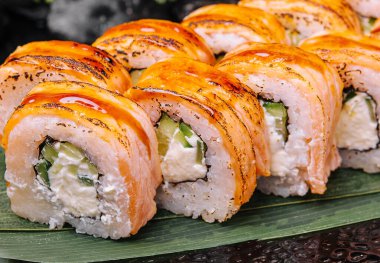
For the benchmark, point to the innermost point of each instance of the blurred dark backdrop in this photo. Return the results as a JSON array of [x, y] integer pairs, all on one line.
[[23, 21]]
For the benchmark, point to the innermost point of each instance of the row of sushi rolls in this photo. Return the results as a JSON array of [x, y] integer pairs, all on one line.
[[191, 117]]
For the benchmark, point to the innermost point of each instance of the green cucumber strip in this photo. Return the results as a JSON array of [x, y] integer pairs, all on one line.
[[349, 95], [185, 129], [371, 21], [56, 168], [167, 125], [70, 150], [85, 180], [282, 128], [278, 110], [92, 168], [371, 108], [42, 168], [180, 137], [49, 153], [165, 130], [73, 169], [200, 152]]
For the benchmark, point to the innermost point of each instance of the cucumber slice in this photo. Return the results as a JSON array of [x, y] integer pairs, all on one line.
[[42, 168], [49, 162], [135, 75], [166, 125], [371, 107], [165, 130], [71, 150], [278, 110], [180, 137], [73, 169], [49, 153], [371, 21], [200, 152], [92, 168], [187, 132], [56, 168], [185, 129], [85, 180]]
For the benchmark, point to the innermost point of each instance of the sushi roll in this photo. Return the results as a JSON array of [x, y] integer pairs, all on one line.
[[301, 97], [357, 59], [225, 26], [139, 44], [303, 18], [56, 60], [83, 155], [211, 137]]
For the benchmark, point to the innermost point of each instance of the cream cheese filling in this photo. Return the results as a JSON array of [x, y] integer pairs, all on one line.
[[181, 150], [357, 125], [180, 164], [281, 161], [71, 178]]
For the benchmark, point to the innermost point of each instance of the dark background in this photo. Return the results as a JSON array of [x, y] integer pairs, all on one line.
[[23, 21]]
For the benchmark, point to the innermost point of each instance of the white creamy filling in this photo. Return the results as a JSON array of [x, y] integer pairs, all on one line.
[[356, 129], [77, 198], [180, 163], [281, 162]]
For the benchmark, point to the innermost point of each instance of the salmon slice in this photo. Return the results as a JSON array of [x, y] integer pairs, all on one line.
[[139, 44], [56, 60], [225, 26], [304, 18]]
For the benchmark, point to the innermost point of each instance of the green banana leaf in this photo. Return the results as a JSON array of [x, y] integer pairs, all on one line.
[[353, 196]]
